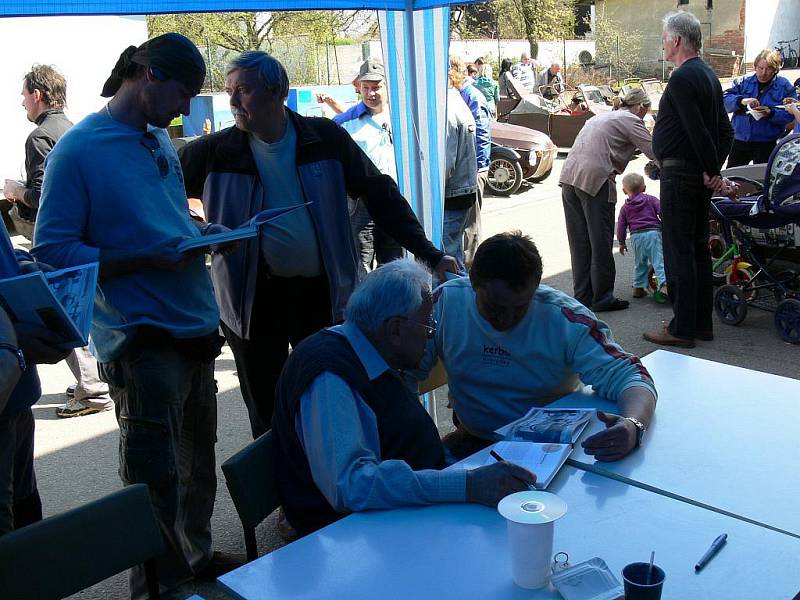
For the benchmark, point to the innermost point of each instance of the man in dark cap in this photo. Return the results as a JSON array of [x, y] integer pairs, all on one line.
[[295, 278], [113, 193]]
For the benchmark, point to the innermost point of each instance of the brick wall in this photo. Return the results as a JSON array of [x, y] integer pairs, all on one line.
[[731, 39]]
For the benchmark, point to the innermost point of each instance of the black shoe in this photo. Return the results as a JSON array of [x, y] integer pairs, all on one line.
[[220, 563], [615, 304]]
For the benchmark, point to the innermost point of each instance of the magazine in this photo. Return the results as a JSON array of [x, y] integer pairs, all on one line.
[[548, 425], [61, 300], [248, 229]]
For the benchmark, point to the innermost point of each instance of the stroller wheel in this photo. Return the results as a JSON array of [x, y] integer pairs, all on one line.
[[787, 320], [730, 305]]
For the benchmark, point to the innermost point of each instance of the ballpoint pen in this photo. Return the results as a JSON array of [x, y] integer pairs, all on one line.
[[499, 458], [716, 546]]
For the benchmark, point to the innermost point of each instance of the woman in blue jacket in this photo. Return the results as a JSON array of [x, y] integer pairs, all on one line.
[[752, 100]]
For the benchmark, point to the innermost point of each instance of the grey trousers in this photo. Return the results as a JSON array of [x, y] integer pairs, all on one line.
[[590, 231], [472, 231], [166, 407], [90, 390]]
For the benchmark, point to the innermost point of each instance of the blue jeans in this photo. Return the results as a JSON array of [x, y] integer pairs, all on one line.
[[455, 221], [647, 250]]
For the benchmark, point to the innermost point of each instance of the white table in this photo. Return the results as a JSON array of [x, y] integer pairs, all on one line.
[[723, 436], [461, 551]]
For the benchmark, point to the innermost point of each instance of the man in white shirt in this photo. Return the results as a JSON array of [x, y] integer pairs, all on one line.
[[369, 124], [349, 435], [525, 72]]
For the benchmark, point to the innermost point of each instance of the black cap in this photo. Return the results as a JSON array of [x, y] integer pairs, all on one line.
[[171, 53]]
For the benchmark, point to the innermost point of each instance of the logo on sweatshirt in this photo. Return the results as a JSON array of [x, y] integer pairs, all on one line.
[[495, 355]]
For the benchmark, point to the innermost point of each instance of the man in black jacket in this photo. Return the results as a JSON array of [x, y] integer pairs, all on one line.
[[296, 276], [691, 140], [44, 95]]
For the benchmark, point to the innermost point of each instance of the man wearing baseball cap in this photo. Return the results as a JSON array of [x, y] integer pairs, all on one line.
[[113, 193], [368, 123]]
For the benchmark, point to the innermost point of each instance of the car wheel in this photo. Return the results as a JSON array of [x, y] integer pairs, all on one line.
[[505, 176]]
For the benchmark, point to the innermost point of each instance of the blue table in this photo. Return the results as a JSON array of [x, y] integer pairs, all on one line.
[[723, 437], [461, 551]]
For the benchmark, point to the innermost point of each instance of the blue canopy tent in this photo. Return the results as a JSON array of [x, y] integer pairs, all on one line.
[[415, 40]]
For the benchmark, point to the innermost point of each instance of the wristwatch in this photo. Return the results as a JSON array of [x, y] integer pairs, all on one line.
[[640, 429], [16, 351]]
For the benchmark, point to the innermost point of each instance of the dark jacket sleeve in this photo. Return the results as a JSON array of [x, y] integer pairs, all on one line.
[[36, 150], [384, 202], [194, 164]]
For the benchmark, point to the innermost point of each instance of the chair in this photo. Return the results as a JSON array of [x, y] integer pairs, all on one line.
[[67, 553], [436, 379], [250, 476]]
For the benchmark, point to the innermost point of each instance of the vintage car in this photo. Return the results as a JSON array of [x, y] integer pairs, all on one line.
[[518, 154], [561, 118]]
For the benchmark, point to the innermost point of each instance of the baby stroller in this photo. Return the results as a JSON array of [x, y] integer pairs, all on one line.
[[769, 216]]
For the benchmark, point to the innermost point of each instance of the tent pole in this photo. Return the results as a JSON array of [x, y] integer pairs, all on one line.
[[414, 150]]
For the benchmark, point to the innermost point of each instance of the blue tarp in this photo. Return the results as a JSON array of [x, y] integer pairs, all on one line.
[[38, 8]]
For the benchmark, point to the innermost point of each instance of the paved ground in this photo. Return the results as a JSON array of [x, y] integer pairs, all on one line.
[[76, 459]]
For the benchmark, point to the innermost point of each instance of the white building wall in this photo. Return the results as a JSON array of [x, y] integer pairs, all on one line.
[[83, 49], [769, 21]]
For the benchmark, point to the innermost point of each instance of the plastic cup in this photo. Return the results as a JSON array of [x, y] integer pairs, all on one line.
[[635, 579], [530, 517]]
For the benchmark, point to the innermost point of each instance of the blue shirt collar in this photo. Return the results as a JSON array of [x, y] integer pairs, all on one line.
[[352, 113], [370, 358]]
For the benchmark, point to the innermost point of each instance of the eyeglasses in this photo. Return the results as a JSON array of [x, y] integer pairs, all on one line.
[[431, 326], [150, 142]]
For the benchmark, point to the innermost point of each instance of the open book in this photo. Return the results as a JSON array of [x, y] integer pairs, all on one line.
[[544, 460], [248, 229], [541, 441], [61, 300]]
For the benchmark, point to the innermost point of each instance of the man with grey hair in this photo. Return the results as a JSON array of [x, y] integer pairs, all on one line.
[[294, 278], [349, 435], [691, 140], [525, 71]]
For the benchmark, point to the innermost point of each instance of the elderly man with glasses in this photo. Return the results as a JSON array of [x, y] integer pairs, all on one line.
[[349, 435], [113, 193]]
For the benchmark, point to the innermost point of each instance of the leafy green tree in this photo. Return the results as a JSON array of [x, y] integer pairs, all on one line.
[[534, 20], [293, 37], [618, 48]]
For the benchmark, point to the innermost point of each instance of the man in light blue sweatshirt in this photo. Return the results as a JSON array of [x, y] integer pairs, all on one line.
[[113, 193], [509, 343]]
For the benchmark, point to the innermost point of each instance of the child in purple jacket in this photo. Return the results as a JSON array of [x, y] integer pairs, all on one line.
[[642, 215]]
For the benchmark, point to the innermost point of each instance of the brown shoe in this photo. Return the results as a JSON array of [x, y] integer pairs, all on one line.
[[639, 292], [664, 338]]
